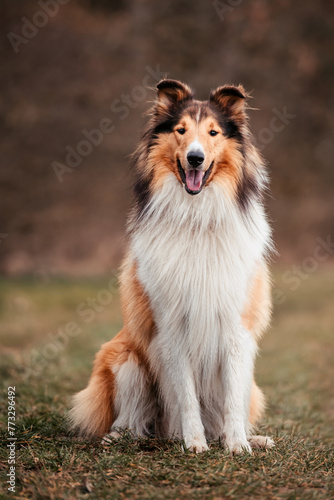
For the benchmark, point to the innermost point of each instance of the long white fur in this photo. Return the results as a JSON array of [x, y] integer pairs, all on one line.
[[195, 258], [134, 403]]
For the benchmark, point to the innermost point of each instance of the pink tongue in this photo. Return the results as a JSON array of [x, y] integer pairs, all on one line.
[[194, 179]]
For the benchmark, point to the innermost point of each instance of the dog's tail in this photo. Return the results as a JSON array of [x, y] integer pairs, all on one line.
[[91, 410]]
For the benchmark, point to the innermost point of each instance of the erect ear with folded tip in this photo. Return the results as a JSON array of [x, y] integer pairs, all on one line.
[[230, 99], [172, 93]]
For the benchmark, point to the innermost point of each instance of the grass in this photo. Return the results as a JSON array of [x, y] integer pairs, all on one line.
[[295, 369]]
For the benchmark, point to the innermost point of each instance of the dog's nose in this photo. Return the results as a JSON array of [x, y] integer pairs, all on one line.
[[195, 158]]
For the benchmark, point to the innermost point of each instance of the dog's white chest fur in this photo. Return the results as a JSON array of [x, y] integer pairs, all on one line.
[[195, 256]]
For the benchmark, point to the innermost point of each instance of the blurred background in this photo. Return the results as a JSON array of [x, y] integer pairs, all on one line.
[[76, 81], [76, 78]]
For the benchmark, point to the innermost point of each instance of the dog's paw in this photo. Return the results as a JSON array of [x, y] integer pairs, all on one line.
[[263, 442], [197, 445], [108, 438], [239, 448]]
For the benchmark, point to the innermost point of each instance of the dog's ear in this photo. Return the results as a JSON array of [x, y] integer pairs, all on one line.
[[229, 99], [171, 93]]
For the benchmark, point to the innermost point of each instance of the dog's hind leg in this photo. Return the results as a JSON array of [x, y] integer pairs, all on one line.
[[119, 393], [92, 409], [257, 407], [135, 405], [256, 318]]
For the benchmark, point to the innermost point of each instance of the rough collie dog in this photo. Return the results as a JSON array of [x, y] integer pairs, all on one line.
[[194, 283]]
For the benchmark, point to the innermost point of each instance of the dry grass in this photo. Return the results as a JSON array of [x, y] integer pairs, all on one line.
[[295, 369]]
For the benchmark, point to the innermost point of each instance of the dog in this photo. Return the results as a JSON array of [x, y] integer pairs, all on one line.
[[194, 284]]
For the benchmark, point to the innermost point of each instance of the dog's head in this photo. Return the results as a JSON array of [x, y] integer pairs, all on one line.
[[199, 142], [195, 135]]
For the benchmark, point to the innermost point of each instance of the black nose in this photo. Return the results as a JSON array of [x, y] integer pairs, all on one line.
[[195, 158]]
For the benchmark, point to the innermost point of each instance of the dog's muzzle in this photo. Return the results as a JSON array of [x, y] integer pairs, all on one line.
[[194, 179]]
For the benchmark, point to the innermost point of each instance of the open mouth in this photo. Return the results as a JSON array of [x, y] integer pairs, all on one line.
[[193, 179]]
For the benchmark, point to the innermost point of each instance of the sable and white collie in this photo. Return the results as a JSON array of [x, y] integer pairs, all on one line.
[[194, 284]]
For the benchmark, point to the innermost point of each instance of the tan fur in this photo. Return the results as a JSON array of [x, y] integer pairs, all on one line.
[[257, 405], [228, 171], [92, 410], [256, 318], [257, 312], [137, 314]]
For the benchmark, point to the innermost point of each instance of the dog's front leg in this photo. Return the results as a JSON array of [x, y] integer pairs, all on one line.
[[178, 392], [237, 375], [189, 408]]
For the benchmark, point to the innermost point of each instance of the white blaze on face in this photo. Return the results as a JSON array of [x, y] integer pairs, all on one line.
[[198, 115], [195, 147]]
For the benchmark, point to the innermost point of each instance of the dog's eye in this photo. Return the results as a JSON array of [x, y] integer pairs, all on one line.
[[213, 132], [181, 130]]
